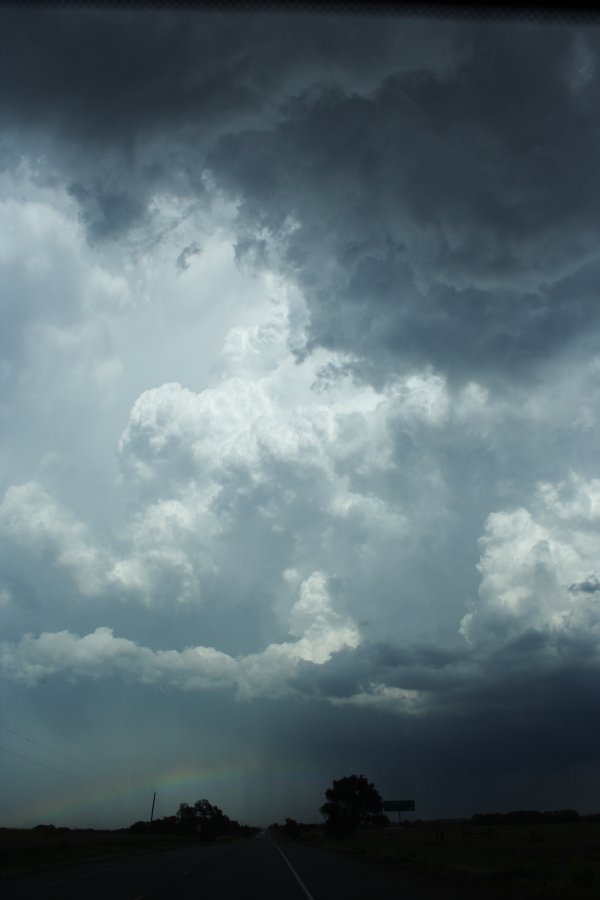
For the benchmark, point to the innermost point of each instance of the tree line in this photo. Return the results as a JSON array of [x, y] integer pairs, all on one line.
[[201, 818], [527, 817], [351, 802]]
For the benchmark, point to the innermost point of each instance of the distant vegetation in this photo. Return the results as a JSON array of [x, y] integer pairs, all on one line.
[[293, 829], [526, 817], [25, 850], [202, 819]]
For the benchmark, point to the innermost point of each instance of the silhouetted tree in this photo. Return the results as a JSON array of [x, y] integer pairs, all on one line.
[[291, 829], [186, 815], [351, 801], [382, 821], [206, 810]]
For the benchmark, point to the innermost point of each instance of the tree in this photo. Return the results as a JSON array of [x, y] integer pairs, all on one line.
[[351, 801], [210, 820], [186, 816], [205, 810]]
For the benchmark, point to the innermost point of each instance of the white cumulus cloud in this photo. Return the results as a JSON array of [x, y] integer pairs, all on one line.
[[532, 561], [319, 629]]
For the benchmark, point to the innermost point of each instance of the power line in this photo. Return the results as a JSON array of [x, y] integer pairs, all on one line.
[[44, 766], [36, 762], [129, 784]]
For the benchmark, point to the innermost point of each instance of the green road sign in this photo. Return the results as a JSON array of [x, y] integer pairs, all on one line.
[[398, 805]]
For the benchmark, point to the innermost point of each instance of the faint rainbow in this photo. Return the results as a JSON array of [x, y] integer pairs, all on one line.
[[193, 782]]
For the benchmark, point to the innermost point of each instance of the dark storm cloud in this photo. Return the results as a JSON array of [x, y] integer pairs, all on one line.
[[128, 103], [544, 719], [486, 743], [349, 167], [461, 680], [415, 667], [436, 202], [488, 724], [459, 219], [528, 733], [106, 211], [432, 656]]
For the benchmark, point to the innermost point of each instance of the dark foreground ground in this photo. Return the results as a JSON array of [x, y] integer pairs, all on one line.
[[28, 850], [555, 861], [259, 867], [424, 862]]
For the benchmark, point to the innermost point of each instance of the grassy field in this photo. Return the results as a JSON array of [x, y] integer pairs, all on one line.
[[23, 851], [556, 861]]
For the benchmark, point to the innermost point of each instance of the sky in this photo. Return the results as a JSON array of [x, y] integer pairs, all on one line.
[[299, 404]]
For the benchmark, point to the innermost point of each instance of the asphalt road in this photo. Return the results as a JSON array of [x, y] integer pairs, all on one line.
[[258, 868]]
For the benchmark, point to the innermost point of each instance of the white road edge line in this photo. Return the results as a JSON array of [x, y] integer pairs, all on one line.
[[296, 876]]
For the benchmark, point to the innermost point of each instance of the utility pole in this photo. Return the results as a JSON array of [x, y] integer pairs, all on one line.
[[153, 802]]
